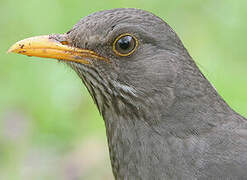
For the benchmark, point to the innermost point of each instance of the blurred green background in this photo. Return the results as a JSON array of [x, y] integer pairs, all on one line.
[[49, 126]]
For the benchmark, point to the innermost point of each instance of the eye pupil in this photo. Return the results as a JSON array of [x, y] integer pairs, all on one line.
[[124, 42], [125, 45]]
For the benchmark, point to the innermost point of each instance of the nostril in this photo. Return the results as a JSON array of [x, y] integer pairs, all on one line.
[[64, 42], [61, 38]]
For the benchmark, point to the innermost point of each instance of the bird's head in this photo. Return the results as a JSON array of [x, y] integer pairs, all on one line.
[[119, 52]]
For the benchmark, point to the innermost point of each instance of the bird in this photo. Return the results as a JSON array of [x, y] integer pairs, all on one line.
[[163, 118]]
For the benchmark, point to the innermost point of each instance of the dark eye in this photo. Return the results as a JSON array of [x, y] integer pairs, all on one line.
[[125, 45]]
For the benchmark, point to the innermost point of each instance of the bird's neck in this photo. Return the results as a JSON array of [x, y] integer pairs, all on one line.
[[140, 131]]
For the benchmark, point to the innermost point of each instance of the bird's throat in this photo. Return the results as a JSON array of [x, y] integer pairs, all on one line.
[[140, 133], [145, 129]]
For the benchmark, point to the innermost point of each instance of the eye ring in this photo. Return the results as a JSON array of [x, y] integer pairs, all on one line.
[[125, 38]]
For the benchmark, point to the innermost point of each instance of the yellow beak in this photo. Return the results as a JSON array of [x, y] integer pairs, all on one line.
[[47, 47]]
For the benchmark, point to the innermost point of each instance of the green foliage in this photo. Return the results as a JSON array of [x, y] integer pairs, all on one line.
[[46, 114]]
